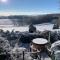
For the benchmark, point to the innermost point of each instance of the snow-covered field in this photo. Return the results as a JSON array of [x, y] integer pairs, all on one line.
[[6, 22], [40, 27]]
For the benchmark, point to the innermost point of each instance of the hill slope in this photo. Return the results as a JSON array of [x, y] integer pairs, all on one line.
[[26, 20]]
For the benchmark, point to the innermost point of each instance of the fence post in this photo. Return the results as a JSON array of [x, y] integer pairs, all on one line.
[[23, 55]]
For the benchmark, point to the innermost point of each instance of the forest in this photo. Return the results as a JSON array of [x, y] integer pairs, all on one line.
[[21, 20]]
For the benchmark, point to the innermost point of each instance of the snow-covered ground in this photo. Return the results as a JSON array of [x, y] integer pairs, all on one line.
[[6, 22], [45, 26], [40, 27]]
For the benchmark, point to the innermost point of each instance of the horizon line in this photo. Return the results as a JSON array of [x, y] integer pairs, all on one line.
[[26, 13]]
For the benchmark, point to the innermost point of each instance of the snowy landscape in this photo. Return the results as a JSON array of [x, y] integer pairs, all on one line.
[[40, 27], [16, 39], [7, 25], [29, 30]]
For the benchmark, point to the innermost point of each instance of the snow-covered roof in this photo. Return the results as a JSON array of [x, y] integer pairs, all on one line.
[[40, 41]]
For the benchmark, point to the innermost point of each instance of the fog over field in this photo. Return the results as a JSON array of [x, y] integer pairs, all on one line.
[[6, 22], [39, 27], [21, 22]]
